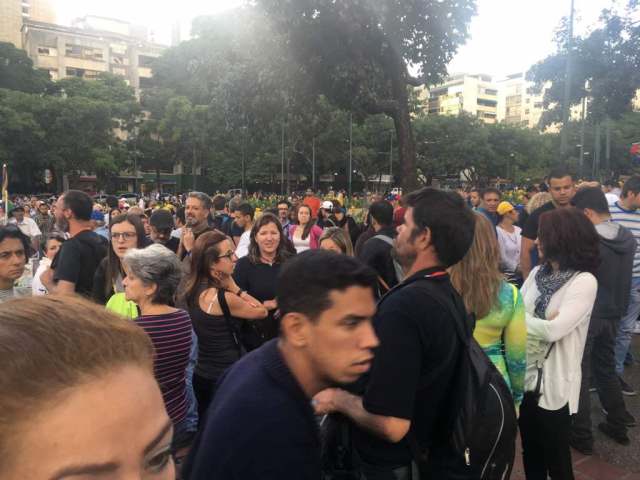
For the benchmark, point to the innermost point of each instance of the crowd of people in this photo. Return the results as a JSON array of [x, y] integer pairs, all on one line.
[[203, 338]]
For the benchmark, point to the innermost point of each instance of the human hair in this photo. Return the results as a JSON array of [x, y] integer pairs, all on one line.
[[158, 265], [203, 197], [285, 248], [79, 203], [559, 172], [54, 236], [592, 198], [449, 220], [180, 215], [245, 209], [206, 252], [570, 239], [285, 202], [19, 208], [477, 276], [114, 267], [382, 212], [13, 231], [631, 185], [219, 202], [538, 200], [338, 236], [111, 201], [51, 344], [307, 228], [488, 190], [305, 281]]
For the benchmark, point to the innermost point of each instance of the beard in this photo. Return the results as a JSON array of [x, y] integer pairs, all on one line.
[[406, 259], [63, 224]]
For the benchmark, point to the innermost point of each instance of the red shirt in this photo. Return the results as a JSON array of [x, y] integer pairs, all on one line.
[[313, 203]]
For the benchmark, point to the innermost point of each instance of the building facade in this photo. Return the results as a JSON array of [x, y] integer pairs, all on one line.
[[518, 104], [92, 46], [474, 94], [13, 14]]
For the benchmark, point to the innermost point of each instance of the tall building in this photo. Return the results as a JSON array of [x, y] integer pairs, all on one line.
[[13, 13], [518, 104], [474, 94], [92, 46]]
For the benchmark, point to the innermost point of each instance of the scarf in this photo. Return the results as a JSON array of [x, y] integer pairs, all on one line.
[[549, 282]]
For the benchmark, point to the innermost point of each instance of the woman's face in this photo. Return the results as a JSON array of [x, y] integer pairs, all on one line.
[[268, 239], [125, 403], [134, 289], [53, 246], [514, 215], [329, 244], [123, 238], [226, 260], [304, 215]]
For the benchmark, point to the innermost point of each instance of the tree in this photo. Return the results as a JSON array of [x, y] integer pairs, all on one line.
[[359, 53], [17, 72]]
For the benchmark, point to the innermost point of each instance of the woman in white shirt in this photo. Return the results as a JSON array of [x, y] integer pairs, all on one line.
[[54, 241], [509, 240], [558, 298]]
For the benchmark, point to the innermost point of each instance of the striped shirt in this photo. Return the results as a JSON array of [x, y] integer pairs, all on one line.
[[171, 337], [631, 220]]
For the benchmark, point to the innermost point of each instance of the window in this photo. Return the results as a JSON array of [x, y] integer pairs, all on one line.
[[527, 101], [75, 72], [145, 61], [119, 71], [73, 50], [487, 103], [526, 112], [537, 105], [491, 91], [47, 51], [489, 115], [25, 10]]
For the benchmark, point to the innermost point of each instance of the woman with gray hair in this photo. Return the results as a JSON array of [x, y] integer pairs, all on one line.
[[152, 276]]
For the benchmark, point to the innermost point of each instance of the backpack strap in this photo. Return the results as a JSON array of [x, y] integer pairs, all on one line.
[[385, 238], [222, 300]]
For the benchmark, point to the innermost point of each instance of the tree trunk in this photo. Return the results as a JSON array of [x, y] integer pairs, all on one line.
[[406, 147]]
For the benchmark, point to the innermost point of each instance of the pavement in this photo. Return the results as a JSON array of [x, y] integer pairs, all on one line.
[[610, 460]]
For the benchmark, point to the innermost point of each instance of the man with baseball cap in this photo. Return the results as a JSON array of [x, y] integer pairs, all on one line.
[[162, 224]]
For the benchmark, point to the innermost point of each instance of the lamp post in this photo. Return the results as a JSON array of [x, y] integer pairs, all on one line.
[[350, 151]]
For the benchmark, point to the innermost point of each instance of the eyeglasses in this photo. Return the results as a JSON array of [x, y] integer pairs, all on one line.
[[230, 254], [123, 235]]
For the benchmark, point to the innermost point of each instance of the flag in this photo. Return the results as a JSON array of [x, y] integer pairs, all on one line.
[[5, 192]]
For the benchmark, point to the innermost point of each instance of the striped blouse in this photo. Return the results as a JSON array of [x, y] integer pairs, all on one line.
[[631, 220], [171, 337]]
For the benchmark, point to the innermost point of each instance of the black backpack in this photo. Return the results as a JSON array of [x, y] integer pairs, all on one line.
[[482, 423]]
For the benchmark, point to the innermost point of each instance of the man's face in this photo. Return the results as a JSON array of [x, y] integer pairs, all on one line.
[[562, 190], [34, 202], [160, 235], [283, 211], [475, 198], [195, 213], [341, 340], [240, 219], [18, 215], [43, 209], [404, 249], [61, 218], [491, 201], [12, 259]]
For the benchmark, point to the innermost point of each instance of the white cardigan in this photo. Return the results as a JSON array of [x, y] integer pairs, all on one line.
[[562, 372]]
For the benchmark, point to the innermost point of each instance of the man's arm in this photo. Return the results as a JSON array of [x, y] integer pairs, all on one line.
[[525, 256], [62, 287], [391, 429]]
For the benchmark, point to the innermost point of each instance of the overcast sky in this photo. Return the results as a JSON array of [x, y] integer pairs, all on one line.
[[507, 36]]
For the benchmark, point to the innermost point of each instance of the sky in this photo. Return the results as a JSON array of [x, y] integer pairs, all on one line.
[[507, 36]]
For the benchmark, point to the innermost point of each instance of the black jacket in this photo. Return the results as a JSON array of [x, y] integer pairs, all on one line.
[[617, 249]]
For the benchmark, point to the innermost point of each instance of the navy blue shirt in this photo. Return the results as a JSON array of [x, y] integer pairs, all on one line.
[[260, 425]]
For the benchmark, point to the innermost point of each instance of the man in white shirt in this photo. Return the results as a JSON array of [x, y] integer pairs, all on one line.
[[243, 215], [27, 226]]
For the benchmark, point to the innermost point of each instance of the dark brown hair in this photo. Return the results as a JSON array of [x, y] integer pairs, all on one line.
[[206, 252], [569, 238], [50, 344], [285, 247], [310, 223], [114, 266]]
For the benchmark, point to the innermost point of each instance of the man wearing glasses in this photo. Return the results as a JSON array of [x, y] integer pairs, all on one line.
[[162, 224], [283, 214]]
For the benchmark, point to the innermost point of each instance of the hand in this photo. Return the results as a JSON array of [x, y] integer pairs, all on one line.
[[553, 315], [47, 278], [270, 304], [188, 239], [326, 401]]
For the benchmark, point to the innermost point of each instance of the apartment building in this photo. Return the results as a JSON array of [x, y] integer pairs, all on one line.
[[518, 104], [91, 46], [475, 94], [13, 13]]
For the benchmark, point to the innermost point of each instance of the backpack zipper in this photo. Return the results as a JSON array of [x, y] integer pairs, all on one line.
[[495, 445]]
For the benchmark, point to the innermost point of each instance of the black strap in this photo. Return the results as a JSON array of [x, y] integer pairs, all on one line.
[[222, 300], [537, 391]]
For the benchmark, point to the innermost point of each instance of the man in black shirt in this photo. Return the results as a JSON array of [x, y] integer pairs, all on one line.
[[74, 267], [409, 386], [162, 224], [376, 252], [261, 424], [562, 190], [197, 210]]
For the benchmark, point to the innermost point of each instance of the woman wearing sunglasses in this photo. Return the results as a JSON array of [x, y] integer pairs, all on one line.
[[216, 304]]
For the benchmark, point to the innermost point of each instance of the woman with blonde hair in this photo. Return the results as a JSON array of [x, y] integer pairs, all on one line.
[[336, 239], [497, 305]]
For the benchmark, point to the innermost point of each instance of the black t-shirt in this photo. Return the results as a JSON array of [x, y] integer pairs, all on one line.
[[78, 260], [413, 369], [530, 229], [377, 254]]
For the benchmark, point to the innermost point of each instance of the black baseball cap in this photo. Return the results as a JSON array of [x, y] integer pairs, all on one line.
[[161, 220]]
